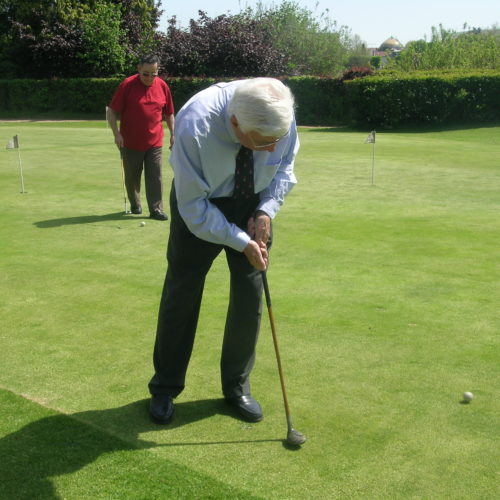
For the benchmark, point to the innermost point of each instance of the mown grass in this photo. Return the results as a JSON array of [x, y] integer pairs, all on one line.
[[386, 305]]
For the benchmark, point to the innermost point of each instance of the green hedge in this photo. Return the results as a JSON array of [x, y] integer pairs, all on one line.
[[85, 96], [74, 95], [381, 101], [390, 101], [320, 101]]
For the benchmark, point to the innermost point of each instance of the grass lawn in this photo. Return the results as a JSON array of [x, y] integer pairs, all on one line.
[[385, 297]]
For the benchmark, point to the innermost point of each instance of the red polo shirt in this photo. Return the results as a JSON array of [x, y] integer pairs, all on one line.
[[142, 109]]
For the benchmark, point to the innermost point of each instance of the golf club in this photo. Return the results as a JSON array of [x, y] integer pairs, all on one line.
[[123, 184], [293, 437]]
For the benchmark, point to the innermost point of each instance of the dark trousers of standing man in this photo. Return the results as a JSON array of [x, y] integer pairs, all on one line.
[[134, 162], [189, 260]]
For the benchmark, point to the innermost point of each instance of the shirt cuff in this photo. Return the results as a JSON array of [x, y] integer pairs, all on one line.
[[241, 241], [270, 206]]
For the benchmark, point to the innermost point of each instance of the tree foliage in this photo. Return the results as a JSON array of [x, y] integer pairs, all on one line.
[[71, 38], [140, 20], [356, 72], [74, 37], [278, 40], [102, 38], [472, 49], [102, 33], [312, 44], [222, 46]]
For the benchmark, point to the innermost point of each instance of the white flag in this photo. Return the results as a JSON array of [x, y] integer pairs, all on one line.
[[371, 137], [13, 143]]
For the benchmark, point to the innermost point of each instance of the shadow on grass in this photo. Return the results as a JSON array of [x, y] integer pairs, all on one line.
[[84, 219], [52, 446], [131, 420], [63, 444]]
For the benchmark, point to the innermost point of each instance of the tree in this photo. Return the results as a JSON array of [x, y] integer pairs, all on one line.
[[36, 41], [139, 22], [74, 38], [312, 44], [375, 62], [104, 53], [225, 46], [282, 40], [474, 48]]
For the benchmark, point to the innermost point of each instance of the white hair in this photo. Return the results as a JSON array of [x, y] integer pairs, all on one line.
[[263, 105]]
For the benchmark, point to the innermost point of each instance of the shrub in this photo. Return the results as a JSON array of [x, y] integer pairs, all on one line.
[[320, 101], [382, 101], [394, 100], [356, 72]]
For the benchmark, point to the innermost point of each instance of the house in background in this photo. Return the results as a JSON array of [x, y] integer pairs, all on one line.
[[389, 48]]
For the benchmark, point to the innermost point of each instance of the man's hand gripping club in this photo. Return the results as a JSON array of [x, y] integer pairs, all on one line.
[[259, 229]]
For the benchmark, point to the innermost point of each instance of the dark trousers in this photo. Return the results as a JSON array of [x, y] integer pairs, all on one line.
[[189, 260], [134, 162]]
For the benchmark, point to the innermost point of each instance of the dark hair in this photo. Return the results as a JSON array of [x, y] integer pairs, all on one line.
[[149, 59]]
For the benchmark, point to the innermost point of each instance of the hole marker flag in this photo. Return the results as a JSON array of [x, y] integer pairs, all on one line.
[[371, 138], [13, 143]]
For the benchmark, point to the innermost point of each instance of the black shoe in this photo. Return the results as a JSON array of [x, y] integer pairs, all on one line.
[[136, 210], [158, 215], [161, 408], [247, 408]]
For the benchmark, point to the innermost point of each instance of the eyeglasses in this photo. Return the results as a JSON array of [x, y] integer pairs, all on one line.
[[263, 146], [149, 75]]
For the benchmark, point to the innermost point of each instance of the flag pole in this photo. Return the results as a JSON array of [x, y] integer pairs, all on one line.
[[373, 163], [21, 170], [14, 144], [371, 139]]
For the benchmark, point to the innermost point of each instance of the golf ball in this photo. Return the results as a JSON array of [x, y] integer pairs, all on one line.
[[142, 223], [468, 396]]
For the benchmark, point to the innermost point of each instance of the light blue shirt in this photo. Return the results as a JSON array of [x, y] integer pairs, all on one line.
[[203, 159]]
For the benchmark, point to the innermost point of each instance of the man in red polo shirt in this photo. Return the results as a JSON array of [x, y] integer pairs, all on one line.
[[141, 102]]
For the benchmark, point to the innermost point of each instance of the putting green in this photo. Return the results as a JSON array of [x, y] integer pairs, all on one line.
[[385, 298]]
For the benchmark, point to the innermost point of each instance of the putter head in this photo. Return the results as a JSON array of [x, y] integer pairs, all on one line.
[[295, 438]]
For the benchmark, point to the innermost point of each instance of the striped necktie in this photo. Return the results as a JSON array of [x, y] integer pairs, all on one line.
[[243, 174]]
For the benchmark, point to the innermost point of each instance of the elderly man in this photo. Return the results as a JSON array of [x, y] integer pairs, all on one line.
[[142, 101], [233, 157]]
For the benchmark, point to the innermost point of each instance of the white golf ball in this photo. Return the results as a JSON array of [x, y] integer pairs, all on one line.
[[142, 223], [468, 396]]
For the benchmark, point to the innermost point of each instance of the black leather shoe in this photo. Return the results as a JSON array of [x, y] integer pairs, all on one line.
[[158, 215], [247, 408], [136, 210], [161, 408]]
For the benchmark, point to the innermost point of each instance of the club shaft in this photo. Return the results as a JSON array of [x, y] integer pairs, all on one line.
[[123, 183], [276, 348]]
